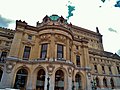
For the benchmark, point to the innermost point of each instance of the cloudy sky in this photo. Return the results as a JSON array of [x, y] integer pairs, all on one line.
[[89, 14]]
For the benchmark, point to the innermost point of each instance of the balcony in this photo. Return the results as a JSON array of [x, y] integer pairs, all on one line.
[[41, 60]]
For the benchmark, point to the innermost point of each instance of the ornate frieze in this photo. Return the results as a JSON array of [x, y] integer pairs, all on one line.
[[45, 37], [60, 38], [28, 42]]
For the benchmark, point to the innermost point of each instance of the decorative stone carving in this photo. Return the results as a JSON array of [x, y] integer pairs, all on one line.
[[50, 69], [28, 42], [9, 67], [69, 71], [45, 37], [60, 38]]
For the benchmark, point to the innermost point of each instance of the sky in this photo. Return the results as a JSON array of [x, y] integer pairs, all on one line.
[[89, 14]]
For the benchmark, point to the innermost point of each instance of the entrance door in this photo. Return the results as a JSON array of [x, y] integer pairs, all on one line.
[[40, 80], [21, 79], [59, 80]]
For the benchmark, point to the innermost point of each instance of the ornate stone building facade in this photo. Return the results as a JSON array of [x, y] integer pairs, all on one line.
[[56, 55]]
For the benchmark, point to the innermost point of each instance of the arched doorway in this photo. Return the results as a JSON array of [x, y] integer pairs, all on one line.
[[59, 80], [40, 80], [112, 83], [97, 82], [1, 73], [78, 83], [21, 79], [104, 82]]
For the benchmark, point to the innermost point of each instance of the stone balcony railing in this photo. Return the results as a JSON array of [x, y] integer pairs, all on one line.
[[50, 60]]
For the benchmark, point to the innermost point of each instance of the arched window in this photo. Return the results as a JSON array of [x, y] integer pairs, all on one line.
[[112, 83], [40, 80], [97, 82], [78, 83], [21, 79], [1, 73], [59, 80], [105, 82]]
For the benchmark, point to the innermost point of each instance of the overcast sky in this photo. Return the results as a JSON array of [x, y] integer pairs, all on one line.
[[88, 14]]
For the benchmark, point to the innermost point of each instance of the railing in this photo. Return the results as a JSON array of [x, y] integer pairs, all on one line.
[[41, 60]]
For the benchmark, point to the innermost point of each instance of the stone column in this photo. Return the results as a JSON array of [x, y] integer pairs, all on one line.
[[101, 82], [46, 81], [36, 49], [30, 82], [52, 82], [16, 44], [52, 47], [7, 79], [20, 28], [108, 82], [67, 50], [69, 83], [85, 52], [88, 81]]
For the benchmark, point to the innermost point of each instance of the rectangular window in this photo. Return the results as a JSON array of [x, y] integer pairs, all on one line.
[[30, 37], [95, 68], [3, 56], [110, 70], [103, 69], [43, 51], [77, 60], [77, 47], [26, 53], [59, 51], [118, 70]]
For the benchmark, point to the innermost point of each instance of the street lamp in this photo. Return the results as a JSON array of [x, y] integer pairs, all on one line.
[[94, 86], [73, 85], [48, 83]]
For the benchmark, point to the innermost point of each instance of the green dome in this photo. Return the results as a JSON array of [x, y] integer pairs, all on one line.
[[54, 17]]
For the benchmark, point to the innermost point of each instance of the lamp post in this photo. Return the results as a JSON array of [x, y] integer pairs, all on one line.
[[94, 87], [48, 83], [73, 85]]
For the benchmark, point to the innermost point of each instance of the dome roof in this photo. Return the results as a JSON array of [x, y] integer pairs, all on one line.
[[54, 17]]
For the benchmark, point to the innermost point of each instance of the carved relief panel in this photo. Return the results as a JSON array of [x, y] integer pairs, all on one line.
[[60, 38], [45, 37]]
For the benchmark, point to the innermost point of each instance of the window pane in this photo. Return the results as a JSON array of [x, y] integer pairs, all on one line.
[[59, 51], [118, 70], [26, 52], [78, 82], [60, 47], [44, 47], [30, 37], [43, 55], [59, 55], [43, 51], [4, 54], [78, 60]]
